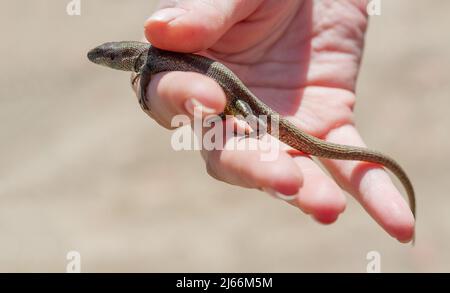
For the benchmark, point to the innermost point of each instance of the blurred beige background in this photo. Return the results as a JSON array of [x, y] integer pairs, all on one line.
[[82, 168]]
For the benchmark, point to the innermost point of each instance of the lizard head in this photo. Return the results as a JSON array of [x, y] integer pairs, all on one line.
[[118, 55]]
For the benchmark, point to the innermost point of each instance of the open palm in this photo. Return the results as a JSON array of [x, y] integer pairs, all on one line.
[[302, 59]]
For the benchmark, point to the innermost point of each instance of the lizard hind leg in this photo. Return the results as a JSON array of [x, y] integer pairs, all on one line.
[[256, 123]]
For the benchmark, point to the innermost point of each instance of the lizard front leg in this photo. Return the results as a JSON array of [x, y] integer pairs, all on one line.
[[145, 74], [135, 78]]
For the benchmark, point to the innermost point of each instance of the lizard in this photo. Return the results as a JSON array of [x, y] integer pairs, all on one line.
[[146, 60]]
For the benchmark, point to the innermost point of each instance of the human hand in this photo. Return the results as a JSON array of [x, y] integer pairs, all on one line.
[[300, 57]]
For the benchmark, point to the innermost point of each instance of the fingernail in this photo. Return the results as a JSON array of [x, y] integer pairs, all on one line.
[[193, 106], [278, 195], [167, 15]]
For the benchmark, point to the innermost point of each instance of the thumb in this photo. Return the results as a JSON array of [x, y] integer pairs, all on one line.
[[194, 25]]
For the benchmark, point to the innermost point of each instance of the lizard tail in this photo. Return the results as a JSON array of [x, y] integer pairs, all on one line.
[[309, 144]]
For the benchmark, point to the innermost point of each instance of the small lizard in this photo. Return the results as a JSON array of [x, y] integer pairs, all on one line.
[[147, 60]]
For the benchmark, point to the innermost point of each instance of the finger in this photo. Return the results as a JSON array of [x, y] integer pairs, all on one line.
[[192, 26], [174, 93], [238, 164], [319, 195], [372, 187]]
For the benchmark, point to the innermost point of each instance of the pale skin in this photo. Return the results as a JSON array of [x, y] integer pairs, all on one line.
[[300, 57]]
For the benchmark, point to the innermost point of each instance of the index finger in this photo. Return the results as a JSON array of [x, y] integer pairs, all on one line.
[[174, 93]]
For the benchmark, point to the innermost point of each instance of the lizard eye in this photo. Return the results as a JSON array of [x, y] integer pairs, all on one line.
[[113, 57]]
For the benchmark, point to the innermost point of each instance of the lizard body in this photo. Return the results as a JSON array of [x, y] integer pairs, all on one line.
[[147, 60]]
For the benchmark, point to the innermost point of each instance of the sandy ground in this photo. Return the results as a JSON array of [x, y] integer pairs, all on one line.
[[81, 168]]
